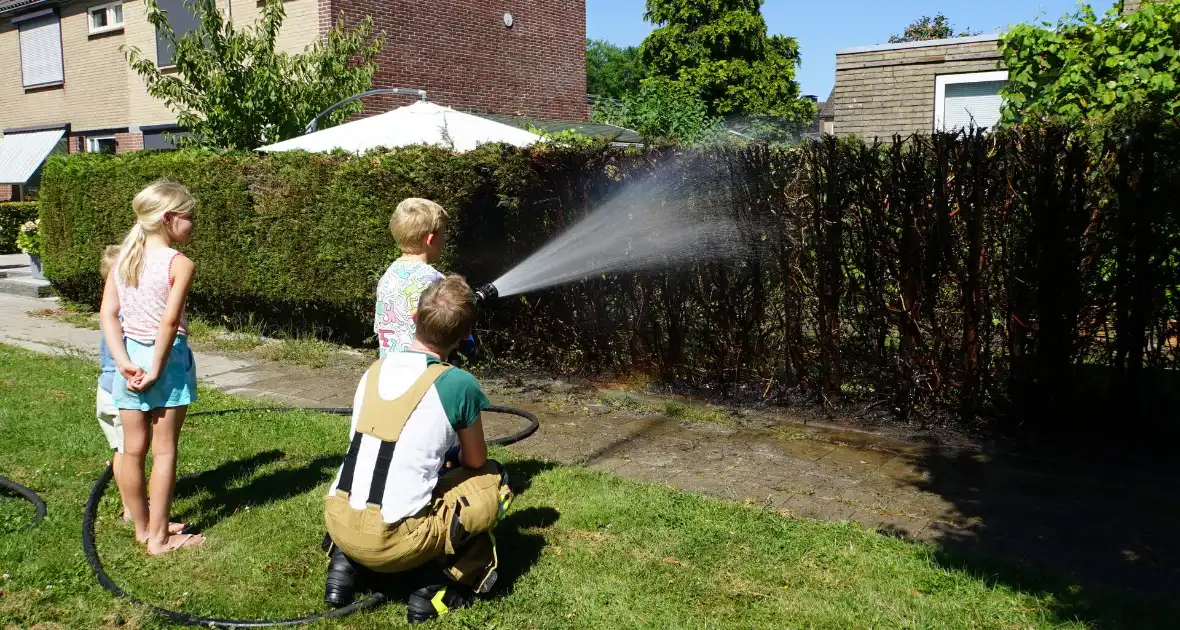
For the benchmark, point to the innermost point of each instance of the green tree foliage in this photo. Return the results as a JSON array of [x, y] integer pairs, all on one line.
[[662, 110], [612, 71], [232, 88], [720, 49], [927, 28], [1087, 69]]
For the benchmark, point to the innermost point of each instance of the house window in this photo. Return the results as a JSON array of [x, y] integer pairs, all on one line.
[[182, 21], [965, 100], [106, 18], [40, 48], [104, 144]]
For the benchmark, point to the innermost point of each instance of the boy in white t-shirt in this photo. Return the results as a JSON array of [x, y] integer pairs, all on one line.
[[393, 507], [418, 226]]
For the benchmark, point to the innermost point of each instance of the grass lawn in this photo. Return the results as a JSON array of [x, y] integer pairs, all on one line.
[[580, 549]]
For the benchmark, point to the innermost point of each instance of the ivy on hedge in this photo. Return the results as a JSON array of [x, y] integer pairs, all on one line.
[[12, 215]]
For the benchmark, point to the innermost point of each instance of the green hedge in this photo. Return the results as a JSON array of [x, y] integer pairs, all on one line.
[[297, 239], [12, 215]]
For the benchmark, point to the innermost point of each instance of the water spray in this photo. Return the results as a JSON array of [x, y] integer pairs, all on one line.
[[673, 216]]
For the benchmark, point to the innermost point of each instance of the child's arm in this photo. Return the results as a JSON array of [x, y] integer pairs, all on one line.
[[473, 450], [112, 330], [181, 273]]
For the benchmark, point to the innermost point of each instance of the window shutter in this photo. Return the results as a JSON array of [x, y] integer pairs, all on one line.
[[40, 51], [968, 103]]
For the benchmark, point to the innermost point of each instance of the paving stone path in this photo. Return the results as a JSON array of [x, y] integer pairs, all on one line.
[[1095, 525]]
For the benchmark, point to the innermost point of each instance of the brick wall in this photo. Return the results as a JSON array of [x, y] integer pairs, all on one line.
[[886, 90], [461, 53], [130, 141], [1131, 6]]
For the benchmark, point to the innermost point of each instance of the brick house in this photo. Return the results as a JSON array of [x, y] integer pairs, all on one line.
[[920, 87], [62, 70]]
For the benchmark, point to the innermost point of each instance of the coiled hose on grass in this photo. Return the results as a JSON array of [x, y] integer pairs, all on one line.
[[27, 495], [374, 600]]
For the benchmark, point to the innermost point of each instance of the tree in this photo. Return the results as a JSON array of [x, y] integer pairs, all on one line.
[[611, 70], [927, 28], [232, 89], [719, 49], [1088, 69], [662, 109]]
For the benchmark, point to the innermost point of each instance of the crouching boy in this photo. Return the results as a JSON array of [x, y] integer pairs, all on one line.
[[393, 506]]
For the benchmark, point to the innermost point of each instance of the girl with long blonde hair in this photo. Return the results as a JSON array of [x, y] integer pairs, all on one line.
[[144, 325]]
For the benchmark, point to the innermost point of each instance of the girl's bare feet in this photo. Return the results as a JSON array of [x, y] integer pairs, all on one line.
[[173, 528], [174, 542]]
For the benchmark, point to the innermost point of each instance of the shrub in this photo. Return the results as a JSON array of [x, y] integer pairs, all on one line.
[[296, 238], [1023, 273], [12, 216]]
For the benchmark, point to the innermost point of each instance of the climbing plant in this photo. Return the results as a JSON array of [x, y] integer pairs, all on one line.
[[1088, 69]]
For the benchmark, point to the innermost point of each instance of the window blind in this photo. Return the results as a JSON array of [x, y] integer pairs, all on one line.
[[968, 103], [40, 51]]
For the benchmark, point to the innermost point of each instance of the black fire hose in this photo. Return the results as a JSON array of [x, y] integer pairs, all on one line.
[[31, 497], [374, 600]]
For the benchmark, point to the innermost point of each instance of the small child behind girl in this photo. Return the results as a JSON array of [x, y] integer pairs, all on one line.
[[145, 328], [104, 405]]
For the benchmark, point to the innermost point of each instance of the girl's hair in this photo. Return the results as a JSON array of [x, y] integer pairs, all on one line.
[[109, 256], [151, 204]]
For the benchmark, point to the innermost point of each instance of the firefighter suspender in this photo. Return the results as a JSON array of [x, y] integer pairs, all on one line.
[[384, 420]]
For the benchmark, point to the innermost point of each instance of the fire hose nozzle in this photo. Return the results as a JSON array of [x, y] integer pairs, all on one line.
[[486, 292]]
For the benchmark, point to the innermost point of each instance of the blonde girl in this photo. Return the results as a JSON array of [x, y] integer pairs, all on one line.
[[144, 325]]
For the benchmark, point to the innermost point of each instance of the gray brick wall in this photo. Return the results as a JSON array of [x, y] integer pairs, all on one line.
[[880, 93]]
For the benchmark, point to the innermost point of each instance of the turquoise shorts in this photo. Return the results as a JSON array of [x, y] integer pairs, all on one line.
[[177, 386]]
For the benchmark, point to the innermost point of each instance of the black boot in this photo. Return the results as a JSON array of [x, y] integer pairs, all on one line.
[[429, 602], [341, 583]]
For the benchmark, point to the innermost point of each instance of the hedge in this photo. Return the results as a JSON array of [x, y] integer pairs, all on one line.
[[1023, 274], [297, 240], [12, 215]]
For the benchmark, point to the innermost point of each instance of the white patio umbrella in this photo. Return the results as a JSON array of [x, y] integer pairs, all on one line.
[[420, 123]]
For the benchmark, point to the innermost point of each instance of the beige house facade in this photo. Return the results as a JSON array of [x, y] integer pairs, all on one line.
[[65, 79], [92, 89], [63, 68], [920, 87]]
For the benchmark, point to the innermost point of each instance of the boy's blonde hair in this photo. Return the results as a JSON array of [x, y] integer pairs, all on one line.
[[413, 220], [150, 205], [109, 256], [446, 312]]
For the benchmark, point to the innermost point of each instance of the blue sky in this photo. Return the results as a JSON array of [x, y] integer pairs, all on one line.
[[822, 26]]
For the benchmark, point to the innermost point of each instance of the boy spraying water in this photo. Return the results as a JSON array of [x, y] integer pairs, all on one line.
[[393, 506], [418, 227]]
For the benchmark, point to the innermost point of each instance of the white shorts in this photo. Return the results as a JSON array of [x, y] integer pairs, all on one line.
[[108, 419]]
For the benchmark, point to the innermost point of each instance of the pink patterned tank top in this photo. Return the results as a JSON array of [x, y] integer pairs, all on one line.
[[143, 306]]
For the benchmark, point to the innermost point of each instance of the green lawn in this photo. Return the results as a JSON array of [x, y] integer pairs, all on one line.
[[580, 549]]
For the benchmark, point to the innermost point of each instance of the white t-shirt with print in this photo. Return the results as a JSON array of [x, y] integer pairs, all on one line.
[[397, 301]]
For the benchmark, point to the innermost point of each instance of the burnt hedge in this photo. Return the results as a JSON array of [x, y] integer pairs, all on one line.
[[1014, 275]]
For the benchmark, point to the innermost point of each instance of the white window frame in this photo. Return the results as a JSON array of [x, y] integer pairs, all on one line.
[[111, 24], [943, 80], [92, 142]]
